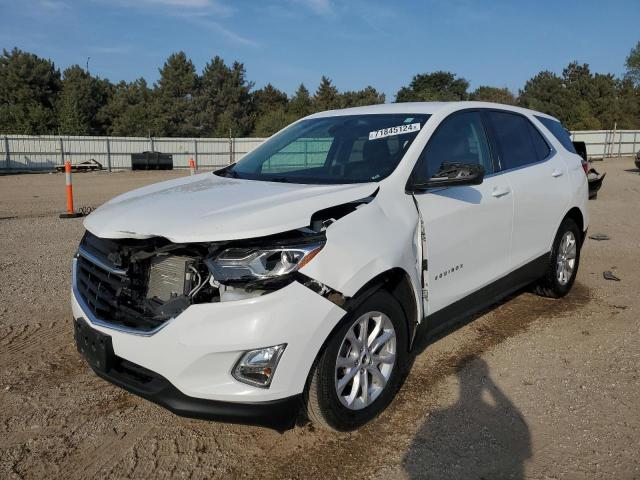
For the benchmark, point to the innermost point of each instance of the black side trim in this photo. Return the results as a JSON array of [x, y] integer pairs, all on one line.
[[487, 295]]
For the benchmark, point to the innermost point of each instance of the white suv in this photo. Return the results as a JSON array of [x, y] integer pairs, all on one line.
[[299, 276]]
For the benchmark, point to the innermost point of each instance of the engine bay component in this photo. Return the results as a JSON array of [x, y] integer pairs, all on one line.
[[171, 276]]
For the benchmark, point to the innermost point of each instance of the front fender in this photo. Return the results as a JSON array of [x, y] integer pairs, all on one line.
[[376, 237]]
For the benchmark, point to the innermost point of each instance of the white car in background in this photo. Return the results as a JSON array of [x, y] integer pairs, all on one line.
[[293, 282]]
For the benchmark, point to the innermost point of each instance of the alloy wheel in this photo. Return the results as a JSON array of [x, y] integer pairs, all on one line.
[[365, 361], [566, 261]]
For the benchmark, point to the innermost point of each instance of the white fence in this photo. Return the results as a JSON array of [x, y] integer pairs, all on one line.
[[24, 152], [608, 143]]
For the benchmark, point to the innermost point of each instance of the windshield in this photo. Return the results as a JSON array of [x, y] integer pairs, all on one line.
[[341, 149]]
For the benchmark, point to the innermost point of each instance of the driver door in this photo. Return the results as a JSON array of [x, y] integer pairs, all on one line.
[[468, 228]]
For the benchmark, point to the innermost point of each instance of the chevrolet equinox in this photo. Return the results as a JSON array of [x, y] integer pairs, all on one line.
[[291, 284]]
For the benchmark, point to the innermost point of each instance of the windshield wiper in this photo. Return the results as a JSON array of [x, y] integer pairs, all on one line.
[[230, 172], [279, 179]]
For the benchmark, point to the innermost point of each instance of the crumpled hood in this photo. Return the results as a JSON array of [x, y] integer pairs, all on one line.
[[207, 207]]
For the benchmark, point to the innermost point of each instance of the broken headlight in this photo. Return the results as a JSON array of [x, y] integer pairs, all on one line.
[[261, 264]]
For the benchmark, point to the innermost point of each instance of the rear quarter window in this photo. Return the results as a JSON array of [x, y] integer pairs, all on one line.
[[540, 144], [514, 136], [558, 131]]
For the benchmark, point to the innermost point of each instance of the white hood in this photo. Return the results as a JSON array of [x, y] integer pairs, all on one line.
[[207, 207]]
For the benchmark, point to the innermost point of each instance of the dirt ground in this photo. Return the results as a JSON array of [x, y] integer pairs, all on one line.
[[533, 388]]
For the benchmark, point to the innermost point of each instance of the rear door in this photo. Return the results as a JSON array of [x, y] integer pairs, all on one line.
[[468, 228], [539, 180]]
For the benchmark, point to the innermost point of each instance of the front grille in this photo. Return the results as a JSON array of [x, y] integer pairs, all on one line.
[[113, 288]]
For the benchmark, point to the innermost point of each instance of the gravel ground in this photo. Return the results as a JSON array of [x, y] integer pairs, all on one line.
[[532, 388]]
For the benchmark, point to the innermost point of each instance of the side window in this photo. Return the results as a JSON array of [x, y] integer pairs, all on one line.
[[459, 138], [539, 143], [558, 131], [513, 134]]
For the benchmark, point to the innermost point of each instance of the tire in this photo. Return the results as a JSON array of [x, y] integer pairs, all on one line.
[[323, 405], [552, 284]]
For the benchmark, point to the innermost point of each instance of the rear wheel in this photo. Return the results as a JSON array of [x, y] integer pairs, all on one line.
[[563, 262], [359, 372]]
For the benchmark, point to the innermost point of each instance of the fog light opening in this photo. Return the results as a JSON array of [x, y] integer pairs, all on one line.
[[257, 367]]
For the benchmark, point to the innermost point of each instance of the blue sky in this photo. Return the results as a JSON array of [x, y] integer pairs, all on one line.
[[355, 43]]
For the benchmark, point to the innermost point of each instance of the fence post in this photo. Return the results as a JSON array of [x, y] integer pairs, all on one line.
[[108, 156], [613, 139], [7, 155], [61, 151], [152, 145], [619, 143], [195, 148], [634, 142]]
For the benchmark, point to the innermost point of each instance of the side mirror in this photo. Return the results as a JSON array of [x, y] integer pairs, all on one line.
[[453, 174]]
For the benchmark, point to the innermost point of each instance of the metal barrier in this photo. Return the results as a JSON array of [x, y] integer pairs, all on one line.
[[608, 143], [26, 152]]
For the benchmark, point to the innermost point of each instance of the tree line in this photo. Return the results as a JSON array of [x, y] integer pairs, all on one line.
[[36, 98]]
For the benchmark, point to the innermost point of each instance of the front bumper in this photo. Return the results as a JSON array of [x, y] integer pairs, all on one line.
[[193, 354]]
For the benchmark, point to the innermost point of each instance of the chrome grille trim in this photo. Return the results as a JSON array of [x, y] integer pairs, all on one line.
[[103, 323]]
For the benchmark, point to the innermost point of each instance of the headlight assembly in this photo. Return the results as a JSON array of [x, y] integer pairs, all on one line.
[[261, 264]]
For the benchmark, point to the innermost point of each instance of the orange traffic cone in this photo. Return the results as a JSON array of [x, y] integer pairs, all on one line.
[[67, 177]]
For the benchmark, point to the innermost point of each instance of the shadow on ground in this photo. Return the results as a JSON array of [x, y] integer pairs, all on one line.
[[482, 435]]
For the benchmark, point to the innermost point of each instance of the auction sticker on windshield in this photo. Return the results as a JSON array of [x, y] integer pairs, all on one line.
[[399, 130]]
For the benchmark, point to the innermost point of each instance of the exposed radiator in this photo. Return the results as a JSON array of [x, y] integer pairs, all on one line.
[[169, 276]]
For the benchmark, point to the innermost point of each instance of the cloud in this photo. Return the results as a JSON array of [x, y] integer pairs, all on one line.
[[203, 13], [53, 5], [181, 7], [323, 8], [224, 31], [110, 50]]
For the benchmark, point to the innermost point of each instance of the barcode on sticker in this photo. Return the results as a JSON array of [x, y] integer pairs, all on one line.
[[399, 130]]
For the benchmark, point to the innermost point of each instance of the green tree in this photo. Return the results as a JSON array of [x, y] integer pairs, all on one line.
[[359, 98], [633, 65], [271, 122], [210, 102], [327, 96], [629, 104], [81, 98], [28, 89], [436, 86], [546, 93], [128, 109], [301, 104], [236, 118], [268, 99], [174, 109], [582, 100], [493, 94]]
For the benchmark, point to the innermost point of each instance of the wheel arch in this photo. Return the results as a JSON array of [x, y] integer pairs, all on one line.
[[397, 282], [576, 215]]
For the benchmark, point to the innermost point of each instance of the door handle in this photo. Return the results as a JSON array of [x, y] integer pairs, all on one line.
[[556, 173], [500, 191]]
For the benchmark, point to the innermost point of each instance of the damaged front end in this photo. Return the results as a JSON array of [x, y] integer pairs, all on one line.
[[138, 285]]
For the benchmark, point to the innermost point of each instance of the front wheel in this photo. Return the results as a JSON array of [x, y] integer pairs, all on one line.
[[563, 262], [361, 368]]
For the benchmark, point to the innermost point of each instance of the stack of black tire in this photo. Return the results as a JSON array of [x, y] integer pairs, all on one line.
[[151, 161]]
